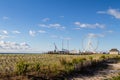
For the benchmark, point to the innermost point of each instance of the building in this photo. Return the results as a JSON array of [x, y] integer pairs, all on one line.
[[74, 52], [114, 51]]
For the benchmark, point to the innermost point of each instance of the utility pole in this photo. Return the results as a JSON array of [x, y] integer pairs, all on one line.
[[68, 44], [62, 44]]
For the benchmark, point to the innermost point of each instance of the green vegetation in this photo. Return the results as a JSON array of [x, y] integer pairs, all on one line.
[[37, 67], [116, 78], [22, 67], [46, 65], [103, 57]]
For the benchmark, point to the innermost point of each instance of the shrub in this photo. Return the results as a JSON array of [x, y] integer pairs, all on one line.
[[116, 78], [63, 61], [75, 61], [21, 67], [37, 67], [55, 67], [91, 58], [68, 65], [103, 57]]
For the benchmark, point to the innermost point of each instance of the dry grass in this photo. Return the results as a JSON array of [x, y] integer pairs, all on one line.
[[49, 63]]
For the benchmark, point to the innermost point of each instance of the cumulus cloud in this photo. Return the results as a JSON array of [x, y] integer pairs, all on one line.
[[32, 33], [24, 45], [42, 31], [101, 12], [85, 25], [13, 45], [78, 28], [5, 18], [46, 19], [113, 12], [16, 32], [3, 37], [110, 31], [43, 25], [4, 32], [55, 26]]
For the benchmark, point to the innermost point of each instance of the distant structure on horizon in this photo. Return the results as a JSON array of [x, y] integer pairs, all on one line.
[[62, 51], [90, 44], [114, 51], [74, 51]]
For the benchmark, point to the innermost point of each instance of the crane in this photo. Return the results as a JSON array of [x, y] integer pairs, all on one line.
[[56, 49]]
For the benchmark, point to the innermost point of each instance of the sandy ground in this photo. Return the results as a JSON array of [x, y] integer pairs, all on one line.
[[101, 75]]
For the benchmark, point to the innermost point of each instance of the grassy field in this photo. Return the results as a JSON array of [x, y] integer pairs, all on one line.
[[45, 65]]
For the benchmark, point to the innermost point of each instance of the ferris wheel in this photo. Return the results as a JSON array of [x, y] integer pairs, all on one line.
[[90, 44]]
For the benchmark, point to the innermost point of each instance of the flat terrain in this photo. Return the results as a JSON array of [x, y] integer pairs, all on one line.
[[56, 66], [112, 70]]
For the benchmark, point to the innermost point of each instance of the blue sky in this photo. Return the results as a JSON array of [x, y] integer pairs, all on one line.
[[34, 25]]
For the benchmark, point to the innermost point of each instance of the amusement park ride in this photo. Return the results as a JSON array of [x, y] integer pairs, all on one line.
[[89, 45]]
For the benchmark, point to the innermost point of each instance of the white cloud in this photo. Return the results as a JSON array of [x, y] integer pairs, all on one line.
[[5, 18], [46, 19], [55, 26], [42, 31], [101, 12], [84, 25], [16, 32], [113, 12], [4, 32], [24, 45], [110, 31], [32, 33], [3, 37], [13, 45], [91, 35], [42, 25]]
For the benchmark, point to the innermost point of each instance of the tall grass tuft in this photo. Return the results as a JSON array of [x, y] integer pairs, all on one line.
[[22, 67]]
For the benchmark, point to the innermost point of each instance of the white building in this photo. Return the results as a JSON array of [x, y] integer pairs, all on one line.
[[74, 51], [114, 51]]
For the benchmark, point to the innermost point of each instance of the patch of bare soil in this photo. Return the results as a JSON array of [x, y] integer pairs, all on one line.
[[106, 73]]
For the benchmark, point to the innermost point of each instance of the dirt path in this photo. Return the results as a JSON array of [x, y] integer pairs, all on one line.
[[113, 70]]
